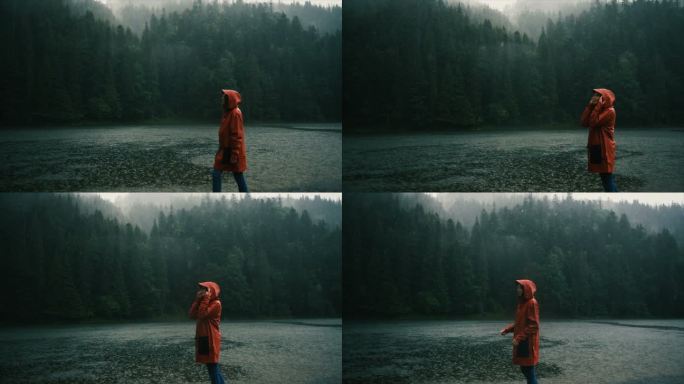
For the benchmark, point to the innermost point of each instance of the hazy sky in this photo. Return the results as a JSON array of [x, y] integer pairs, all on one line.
[[644, 198], [316, 2], [497, 4], [546, 5], [112, 197]]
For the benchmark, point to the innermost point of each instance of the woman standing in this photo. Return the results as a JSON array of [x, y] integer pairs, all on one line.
[[232, 154], [599, 117], [206, 309], [526, 330]]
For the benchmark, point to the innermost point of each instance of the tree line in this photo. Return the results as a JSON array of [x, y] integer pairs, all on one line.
[[68, 65], [466, 208], [63, 260], [421, 64], [135, 15], [403, 259]]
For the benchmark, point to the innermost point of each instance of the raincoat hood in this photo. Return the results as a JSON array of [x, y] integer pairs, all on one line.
[[234, 98], [214, 289], [529, 288], [608, 97]]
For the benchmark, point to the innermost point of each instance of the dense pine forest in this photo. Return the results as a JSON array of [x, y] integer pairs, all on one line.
[[71, 61], [402, 258], [135, 14], [422, 64], [63, 258]]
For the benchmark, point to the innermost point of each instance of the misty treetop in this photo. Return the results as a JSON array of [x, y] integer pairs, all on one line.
[[435, 64], [136, 14], [66, 61], [62, 258], [402, 258]]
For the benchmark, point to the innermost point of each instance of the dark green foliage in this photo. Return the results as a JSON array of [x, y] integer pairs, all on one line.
[[66, 61], [421, 64], [62, 259], [402, 259]]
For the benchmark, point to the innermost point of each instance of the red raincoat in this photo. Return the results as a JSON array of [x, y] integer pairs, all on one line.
[[207, 311], [232, 136], [526, 326], [600, 119]]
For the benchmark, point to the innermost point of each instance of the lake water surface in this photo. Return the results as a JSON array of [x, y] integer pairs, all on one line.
[[299, 351], [615, 351], [648, 160], [296, 157]]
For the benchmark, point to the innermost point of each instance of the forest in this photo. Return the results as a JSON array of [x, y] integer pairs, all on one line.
[[74, 62], [436, 64], [63, 259], [403, 258]]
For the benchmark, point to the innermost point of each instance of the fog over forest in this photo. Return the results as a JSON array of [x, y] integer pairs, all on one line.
[[654, 212], [142, 63], [85, 259], [465, 66], [143, 209], [406, 255], [136, 13]]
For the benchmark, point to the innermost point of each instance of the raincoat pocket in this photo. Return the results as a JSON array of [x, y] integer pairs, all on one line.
[[226, 153], [203, 345], [595, 154], [524, 348]]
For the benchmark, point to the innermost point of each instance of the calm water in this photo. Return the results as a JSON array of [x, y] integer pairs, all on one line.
[[648, 160], [619, 351], [167, 158], [301, 351]]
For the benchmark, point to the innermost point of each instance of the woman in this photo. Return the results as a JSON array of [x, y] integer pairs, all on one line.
[[526, 330], [599, 117], [232, 154], [207, 310]]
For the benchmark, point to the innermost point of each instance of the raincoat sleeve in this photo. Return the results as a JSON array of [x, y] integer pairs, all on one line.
[[532, 322], [607, 118], [584, 120], [508, 328], [235, 130], [193, 309], [208, 310], [223, 142], [600, 117]]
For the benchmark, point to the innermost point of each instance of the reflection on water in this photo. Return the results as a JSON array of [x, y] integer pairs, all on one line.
[[505, 160], [474, 352], [251, 352], [167, 158]]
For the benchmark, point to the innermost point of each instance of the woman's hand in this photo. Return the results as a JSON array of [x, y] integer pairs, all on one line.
[[515, 342]]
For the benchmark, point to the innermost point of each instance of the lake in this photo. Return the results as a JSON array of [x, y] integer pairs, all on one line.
[[296, 157], [610, 351], [648, 160], [298, 351]]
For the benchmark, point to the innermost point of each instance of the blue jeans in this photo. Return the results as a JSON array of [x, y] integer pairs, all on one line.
[[215, 374], [608, 180], [530, 373], [238, 176]]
